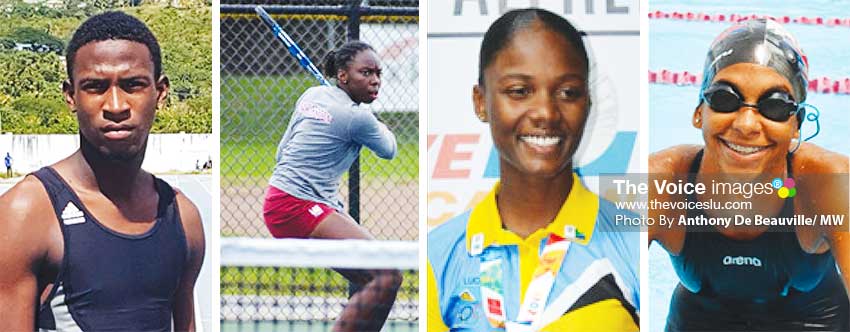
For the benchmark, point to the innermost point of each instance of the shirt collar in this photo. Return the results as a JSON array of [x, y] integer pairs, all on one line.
[[578, 212], [343, 95]]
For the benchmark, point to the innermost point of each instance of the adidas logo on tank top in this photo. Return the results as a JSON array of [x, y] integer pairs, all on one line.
[[72, 215]]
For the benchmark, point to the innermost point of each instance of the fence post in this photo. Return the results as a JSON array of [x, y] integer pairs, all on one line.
[[354, 170], [354, 20]]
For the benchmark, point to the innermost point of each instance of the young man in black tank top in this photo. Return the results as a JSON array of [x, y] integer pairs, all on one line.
[[58, 224]]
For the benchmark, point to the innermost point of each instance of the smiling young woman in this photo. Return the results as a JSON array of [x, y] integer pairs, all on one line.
[[767, 278], [505, 263]]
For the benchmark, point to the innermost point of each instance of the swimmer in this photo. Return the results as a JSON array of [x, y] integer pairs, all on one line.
[[750, 111]]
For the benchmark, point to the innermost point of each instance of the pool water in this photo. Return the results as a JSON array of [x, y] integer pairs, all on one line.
[[681, 45]]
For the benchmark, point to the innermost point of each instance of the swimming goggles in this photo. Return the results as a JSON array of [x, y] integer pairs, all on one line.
[[777, 106]]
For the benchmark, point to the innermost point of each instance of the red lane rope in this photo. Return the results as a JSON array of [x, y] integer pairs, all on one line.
[[825, 85], [703, 17]]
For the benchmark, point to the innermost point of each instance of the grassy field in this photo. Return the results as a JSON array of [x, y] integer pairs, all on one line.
[[256, 159], [258, 107], [298, 282]]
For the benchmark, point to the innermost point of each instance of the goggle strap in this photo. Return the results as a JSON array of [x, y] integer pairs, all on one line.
[[811, 116]]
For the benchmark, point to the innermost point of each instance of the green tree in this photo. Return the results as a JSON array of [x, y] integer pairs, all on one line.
[[38, 115], [40, 40], [30, 73]]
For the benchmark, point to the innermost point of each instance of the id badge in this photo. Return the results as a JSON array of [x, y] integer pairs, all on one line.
[[491, 291]]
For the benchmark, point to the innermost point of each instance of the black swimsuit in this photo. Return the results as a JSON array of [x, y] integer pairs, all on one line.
[[768, 283]]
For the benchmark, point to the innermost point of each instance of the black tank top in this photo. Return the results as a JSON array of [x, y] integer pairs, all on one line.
[[757, 270], [111, 281]]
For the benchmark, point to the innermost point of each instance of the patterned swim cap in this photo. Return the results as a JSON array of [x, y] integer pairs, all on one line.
[[760, 41]]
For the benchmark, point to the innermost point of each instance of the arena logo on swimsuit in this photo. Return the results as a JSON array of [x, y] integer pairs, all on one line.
[[741, 261]]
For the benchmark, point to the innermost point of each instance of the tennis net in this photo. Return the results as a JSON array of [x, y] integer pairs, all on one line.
[[288, 285]]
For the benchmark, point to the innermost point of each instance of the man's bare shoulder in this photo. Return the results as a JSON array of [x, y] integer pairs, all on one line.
[[191, 218], [27, 201], [28, 222], [675, 159], [186, 206]]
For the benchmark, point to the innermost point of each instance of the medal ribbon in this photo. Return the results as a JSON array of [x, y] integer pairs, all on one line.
[[551, 258]]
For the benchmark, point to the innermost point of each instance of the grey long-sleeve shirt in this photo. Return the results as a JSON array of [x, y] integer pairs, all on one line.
[[324, 136]]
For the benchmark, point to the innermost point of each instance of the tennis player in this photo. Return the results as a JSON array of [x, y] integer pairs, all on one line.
[[93, 242], [325, 135], [540, 252], [768, 277]]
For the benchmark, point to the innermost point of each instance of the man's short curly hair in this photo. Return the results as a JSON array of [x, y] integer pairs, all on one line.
[[113, 26]]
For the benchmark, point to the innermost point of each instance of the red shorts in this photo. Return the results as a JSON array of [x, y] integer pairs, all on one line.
[[290, 216]]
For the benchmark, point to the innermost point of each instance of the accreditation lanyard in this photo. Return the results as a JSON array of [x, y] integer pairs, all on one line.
[[492, 290]]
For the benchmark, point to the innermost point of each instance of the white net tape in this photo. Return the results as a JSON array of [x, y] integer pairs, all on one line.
[[356, 254]]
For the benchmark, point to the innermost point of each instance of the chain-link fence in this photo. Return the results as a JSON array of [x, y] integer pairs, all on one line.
[[260, 83]]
